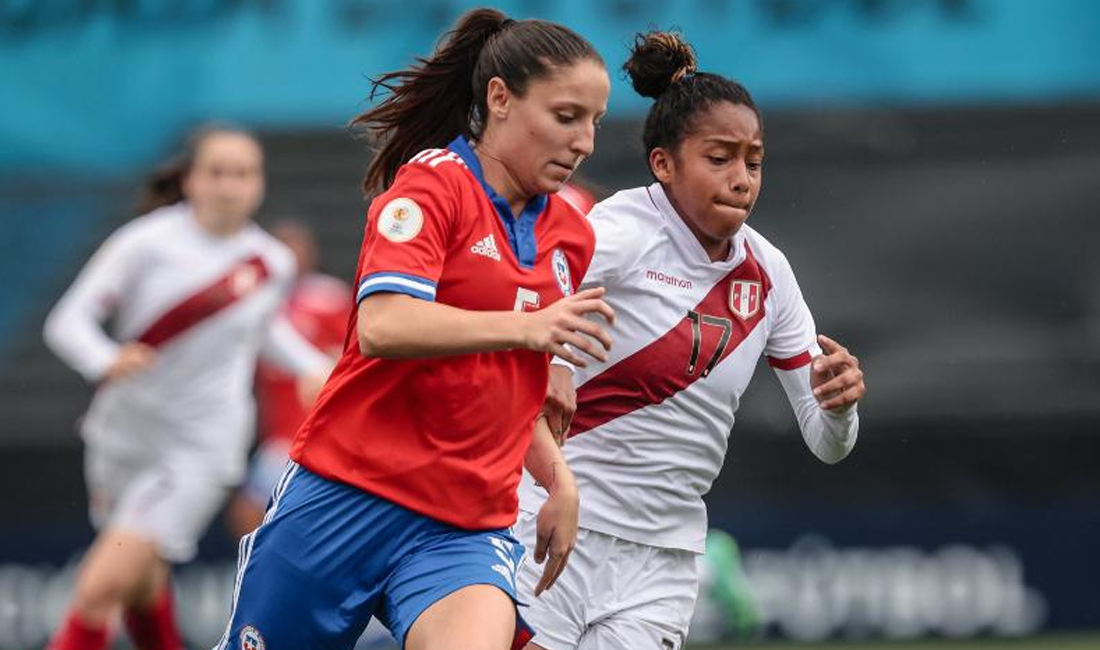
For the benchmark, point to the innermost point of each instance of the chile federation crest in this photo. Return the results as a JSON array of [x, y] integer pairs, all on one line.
[[561, 272]]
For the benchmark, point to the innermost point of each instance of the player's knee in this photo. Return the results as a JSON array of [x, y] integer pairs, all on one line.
[[99, 589], [97, 598]]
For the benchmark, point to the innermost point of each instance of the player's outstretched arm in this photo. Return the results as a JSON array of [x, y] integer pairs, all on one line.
[[556, 527], [397, 326]]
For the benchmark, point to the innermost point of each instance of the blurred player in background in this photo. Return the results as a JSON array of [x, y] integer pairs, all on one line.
[[699, 297], [192, 289], [403, 485], [318, 307], [579, 193]]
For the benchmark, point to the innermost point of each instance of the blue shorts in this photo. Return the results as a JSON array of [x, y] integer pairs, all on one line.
[[329, 556]]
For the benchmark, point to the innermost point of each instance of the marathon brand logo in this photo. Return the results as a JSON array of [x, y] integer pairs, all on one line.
[[670, 280]]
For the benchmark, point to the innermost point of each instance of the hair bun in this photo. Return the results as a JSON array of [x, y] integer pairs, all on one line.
[[658, 60]]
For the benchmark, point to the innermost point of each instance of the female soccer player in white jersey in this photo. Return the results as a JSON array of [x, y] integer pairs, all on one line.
[[403, 487], [699, 296], [193, 287]]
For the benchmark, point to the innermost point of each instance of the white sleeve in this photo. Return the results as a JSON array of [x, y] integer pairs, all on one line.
[[74, 327], [793, 333], [828, 435], [290, 351], [791, 346]]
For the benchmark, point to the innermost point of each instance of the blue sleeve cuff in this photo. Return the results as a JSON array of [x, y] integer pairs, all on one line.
[[391, 282]]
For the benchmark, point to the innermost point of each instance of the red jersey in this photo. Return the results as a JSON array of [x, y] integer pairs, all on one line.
[[318, 307], [446, 436]]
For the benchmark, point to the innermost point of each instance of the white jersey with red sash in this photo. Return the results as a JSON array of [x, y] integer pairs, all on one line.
[[205, 303], [652, 423]]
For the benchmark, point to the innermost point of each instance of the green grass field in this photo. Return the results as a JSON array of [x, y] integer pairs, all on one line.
[[1052, 642]]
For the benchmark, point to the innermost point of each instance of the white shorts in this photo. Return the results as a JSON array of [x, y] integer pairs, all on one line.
[[613, 594], [164, 500]]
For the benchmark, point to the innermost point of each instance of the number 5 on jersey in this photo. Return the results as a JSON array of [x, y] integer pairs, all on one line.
[[526, 300]]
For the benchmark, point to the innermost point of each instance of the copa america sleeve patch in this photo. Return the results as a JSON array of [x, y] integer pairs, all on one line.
[[400, 220]]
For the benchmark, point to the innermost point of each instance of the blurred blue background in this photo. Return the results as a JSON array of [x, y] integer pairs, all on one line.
[[103, 86], [933, 174]]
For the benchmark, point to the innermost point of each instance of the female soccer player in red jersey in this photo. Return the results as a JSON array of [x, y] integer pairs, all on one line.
[[699, 297], [193, 288], [403, 482]]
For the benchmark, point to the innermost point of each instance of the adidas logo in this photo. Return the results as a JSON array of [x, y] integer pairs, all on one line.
[[487, 247]]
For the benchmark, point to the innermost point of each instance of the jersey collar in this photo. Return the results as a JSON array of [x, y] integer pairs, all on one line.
[[686, 239], [521, 229]]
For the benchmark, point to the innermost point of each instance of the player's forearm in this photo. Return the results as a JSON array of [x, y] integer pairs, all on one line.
[[76, 337], [830, 436], [74, 327], [396, 326], [545, 461]]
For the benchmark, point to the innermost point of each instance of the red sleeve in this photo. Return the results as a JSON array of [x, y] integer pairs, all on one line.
[[407, 232]]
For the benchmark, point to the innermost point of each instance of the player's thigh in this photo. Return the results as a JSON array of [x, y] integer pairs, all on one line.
[[651, 603], [438, 575], [476, 617], [118, 569], [663, 627], [557, 616]]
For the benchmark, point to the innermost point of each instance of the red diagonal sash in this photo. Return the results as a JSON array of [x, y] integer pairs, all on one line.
[[677, 359], [240, 280]]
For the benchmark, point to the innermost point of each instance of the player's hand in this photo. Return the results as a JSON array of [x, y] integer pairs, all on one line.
[[132, 358], [561, 402], [556, 529], [835, 377], [562, 329]]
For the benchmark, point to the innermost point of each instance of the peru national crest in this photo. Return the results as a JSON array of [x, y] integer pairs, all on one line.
[[745, 298]]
